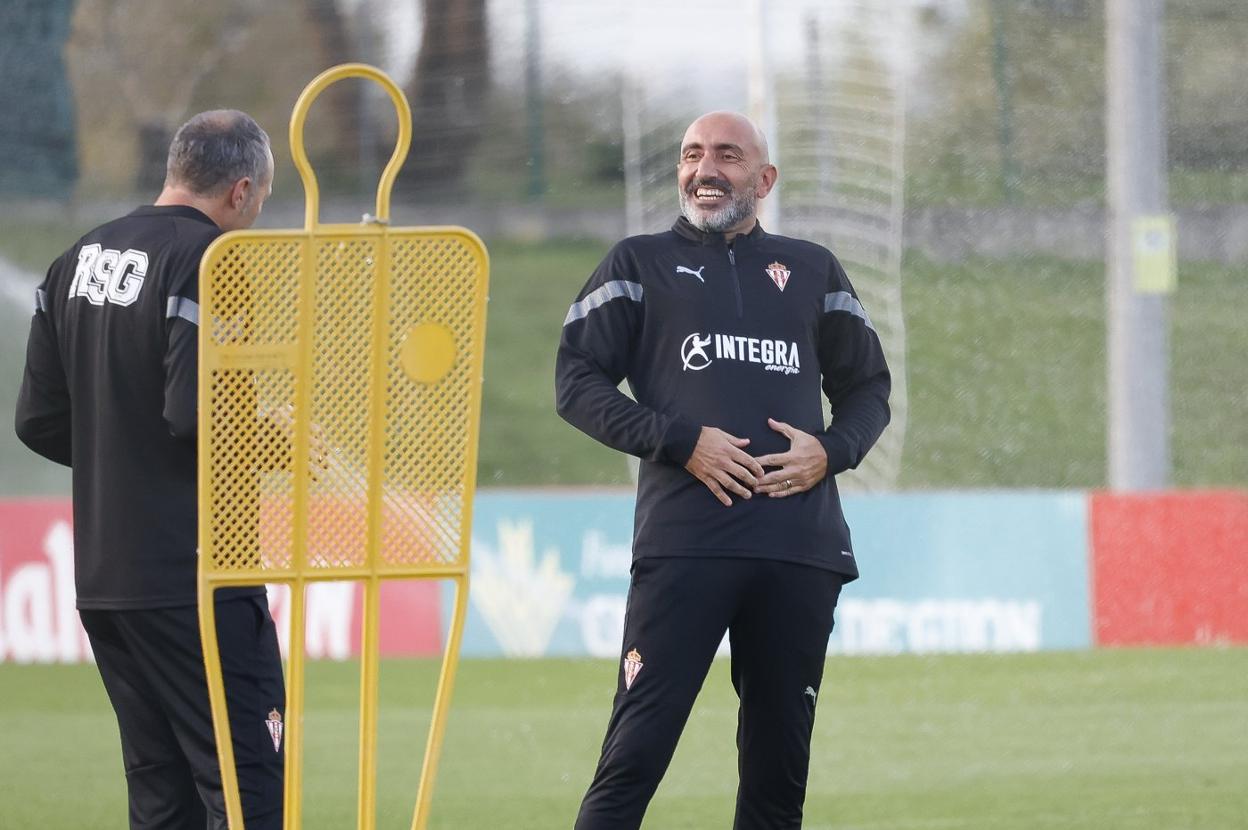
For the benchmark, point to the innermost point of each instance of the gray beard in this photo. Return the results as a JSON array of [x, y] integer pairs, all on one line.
[[740, 208]]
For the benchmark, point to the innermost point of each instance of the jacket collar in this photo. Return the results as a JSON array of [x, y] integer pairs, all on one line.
[[184, 211], [685, 228]]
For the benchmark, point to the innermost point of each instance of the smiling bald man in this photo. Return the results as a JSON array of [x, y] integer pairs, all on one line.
[[727, 335]]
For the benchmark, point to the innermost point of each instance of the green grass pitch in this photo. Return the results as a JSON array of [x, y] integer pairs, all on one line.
[[1006, 372], [1119, 739]]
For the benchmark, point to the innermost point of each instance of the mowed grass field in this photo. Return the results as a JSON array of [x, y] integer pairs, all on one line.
[[1145, 739], [1005, 358], [1006, 374]]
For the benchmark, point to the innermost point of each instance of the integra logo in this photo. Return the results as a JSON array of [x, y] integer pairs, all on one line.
[[693, 352], [773, 355]]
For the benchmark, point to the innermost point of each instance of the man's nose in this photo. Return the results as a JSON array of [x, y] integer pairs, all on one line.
[[706, 168]]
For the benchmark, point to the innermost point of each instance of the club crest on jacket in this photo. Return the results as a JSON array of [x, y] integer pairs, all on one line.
[[779, 274]]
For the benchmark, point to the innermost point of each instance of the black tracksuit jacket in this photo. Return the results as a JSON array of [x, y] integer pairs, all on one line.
[[711, 333], [110, 389]]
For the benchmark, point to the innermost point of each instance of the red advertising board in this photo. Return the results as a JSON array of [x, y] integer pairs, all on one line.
[[38, 621], [1170, 568], [39, 624]]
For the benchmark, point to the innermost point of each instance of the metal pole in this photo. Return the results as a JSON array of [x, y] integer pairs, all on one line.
[[1005, 105], [816, 92], [633, 191], [533, 99], [762, 103], [1138, 323]]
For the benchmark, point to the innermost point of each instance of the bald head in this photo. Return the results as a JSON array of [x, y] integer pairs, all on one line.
[[725, 122], [722, 173]]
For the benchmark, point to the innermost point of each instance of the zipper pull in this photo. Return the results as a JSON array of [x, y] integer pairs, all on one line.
[[732, 258]]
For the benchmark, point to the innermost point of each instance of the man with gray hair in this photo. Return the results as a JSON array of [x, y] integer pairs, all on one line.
[[110, 390]]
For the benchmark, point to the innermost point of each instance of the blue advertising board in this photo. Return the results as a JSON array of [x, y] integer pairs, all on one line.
[[941, 572], [950, 572]]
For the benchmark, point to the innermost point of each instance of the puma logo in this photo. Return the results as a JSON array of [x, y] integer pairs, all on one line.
[[680, 269]]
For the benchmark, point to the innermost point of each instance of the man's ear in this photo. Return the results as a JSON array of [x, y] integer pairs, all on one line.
[[766, 180], [239, 193]]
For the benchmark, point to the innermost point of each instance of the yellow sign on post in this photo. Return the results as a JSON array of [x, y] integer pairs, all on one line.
[[1154, 251], [340, 397]]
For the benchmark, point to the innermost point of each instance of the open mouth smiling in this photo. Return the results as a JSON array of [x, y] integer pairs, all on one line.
[[708, 192]]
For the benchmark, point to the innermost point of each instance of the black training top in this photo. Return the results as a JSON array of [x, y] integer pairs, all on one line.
[[711, 333], [110, 390]]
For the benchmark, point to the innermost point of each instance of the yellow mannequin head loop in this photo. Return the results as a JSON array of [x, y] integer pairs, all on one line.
[[300, 156]]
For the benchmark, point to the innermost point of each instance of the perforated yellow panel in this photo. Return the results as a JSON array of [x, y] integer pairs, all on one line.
[[251, 452], [340, 418], [340, 396]]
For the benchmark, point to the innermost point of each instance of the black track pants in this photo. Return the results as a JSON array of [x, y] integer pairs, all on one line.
[[152, 665], [778, 616]]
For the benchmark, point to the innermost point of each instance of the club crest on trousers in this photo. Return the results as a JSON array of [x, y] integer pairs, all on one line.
[[274, 723], [632, 667]]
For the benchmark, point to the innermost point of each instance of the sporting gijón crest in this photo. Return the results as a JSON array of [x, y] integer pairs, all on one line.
[[274, 723], [632, 667], [779, 274]]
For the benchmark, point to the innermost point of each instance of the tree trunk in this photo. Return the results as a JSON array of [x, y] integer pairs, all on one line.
[[447, 93], [333, 45], [154, 138]]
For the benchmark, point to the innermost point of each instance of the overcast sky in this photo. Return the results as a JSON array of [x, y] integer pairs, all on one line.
[[685, 44]]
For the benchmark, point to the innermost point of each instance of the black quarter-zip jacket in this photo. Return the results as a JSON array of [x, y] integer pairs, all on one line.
[[110, 389], [719, 334]]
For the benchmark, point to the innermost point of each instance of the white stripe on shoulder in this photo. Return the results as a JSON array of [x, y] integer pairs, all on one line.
[[601, 295], [844, 301], [41, 300], [188, 310]]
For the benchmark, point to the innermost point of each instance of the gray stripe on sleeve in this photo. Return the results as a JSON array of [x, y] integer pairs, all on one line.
[[41, 300], [605, 293], [844, 301], [188, 310]]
